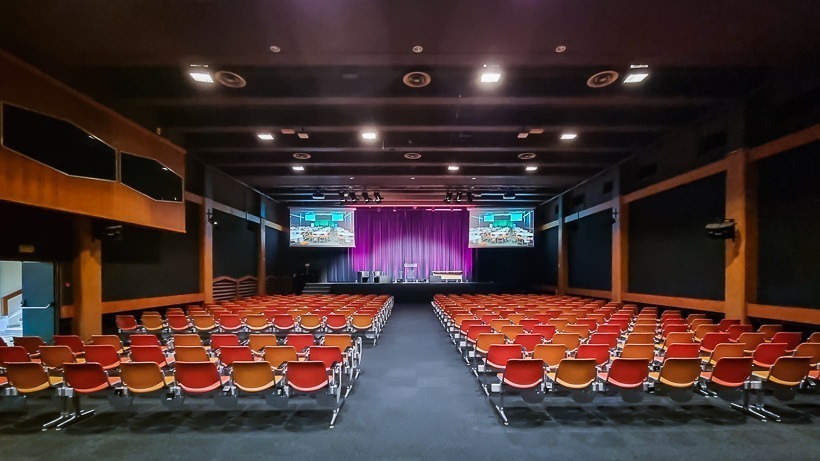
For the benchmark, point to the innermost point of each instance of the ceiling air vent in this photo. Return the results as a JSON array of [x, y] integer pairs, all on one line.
[[230, 79], [301, 156], [602, 79], [527, 156], [416, 79], [412, 156]]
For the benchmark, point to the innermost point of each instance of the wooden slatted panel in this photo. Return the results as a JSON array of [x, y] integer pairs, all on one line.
[[247, 286], [225, 288]]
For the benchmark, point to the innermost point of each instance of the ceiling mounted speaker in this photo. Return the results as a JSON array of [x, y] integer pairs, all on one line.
[[526, 156], [230, 79], [416, 79], [412, 156], [301, 156], [602, 79]]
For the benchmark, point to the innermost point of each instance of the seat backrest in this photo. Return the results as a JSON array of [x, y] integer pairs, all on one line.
[[300, 341], [469, 323], [223, 339], [571, 340], [499, 354], [190, 354], [597, 352], [732, 371], [769, 330], [104, 354], [724, 324], [628, 373], [30, 343], [256, 321], [511, 331], [144, 340], [325, 354], [13, 354], [791, 338], [609, 339], [638, 351], [126, 322], [230, 354], [257, 342], [814, 337], [152, 321], [680, 372], [178, 322], [679, 337], [141, 377], [736, 329], [86, 378], [726, 350], [550, 354], [230, 321], [474, 331], [361, 321], [111, 340], [640, 338], [252, 375], [523, 373], [528, 341], [343, 342], [682, 351], [203, 321], [310, 321], [187, 340], [276, 356], [56, 356], [485, 340], [576, 373], [547, 331], [27, 377], [307, 376], [809, 349], [72, 341], [712, 339], [704, 329], [148, 354], [529, 323], [750, 341], [766, 354], [643, 328], [197, 376], [336, 321], [790, 371]]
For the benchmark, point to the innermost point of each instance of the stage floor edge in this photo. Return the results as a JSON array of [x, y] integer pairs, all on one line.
[[414, 292]]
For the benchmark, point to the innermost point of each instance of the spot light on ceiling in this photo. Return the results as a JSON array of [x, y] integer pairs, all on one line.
[[201, 74], [452, 168], [490, 74], [418, 49], [298, 168], [369, 135], [568, 136], [275, 49], [265, 136], [637, 74], [531, 168]]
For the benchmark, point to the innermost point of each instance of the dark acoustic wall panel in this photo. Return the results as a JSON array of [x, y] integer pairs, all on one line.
[[514, 268], [148, 263], [273, 251], [789, 226], [49, 232], [669, 252], [540, 240], [235, 246], [551, 261], [590, 251]]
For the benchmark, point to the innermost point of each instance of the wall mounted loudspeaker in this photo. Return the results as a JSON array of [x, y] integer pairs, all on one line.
[[724, 230], [107, 231]]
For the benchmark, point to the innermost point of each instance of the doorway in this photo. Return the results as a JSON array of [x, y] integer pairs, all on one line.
[[27, 299]]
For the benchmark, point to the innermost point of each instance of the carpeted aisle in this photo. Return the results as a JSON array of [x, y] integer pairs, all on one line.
[[417, 400]]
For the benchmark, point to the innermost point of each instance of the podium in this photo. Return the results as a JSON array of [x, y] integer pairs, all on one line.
[[410, 270]]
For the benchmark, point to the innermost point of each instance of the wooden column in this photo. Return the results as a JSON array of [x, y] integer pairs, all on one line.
[[741, 260], [261, 266], [563, 264], [620, 249], [87, 284], [206, 251]]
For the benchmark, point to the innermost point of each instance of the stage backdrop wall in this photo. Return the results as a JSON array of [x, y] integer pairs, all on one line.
[[387, 239]]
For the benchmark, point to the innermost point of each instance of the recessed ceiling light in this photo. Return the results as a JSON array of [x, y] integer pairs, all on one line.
[[369, 135], [536, 131], [560, 48], [302, 135], [418, 49], [318, 196], [635, 77], [523, 134], [201, 74], [275, 49], [452, 167], [490, 76], [568, 136], [288, 131], [412, 177], [472, 178], [509, 196], [352, 177], [531, 168], [265, 135], [298, 168]]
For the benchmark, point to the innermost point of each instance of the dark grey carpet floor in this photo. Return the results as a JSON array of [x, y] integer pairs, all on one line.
[[417, 400]]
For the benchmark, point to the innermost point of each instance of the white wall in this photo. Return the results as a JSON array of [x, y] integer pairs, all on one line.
[[11, 279]]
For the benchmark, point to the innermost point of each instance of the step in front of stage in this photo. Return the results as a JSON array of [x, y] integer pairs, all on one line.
[[406, 292]]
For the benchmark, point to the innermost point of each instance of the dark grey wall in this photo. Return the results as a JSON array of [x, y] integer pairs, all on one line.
[[669, 252], [590, 251], [235, 246], [551, 267], [789, 228]]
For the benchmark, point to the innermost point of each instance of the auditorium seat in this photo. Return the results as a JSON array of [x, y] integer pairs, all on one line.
[[311, 377], [638, 351], [230, 354], [609, 339], [127, 324], [73, 341], [258, 342], [570, 340], [230, 323], [550, 354], [729, 373], [786, 375], [152, 353], [499, 354], [628, 376], [791, 338], [223, 339], [520, 375], [144, 377], [576, 375], [702, 330], [712, 339], [766, 354], [310, 323], [750, 341], [681, 351], [178, 323], [547, 331], [54, 357], [724, 324], [597, 352], [769, 330], [257, 323], [809, 349], [199, 378], [152, 322], [30, 378], [144, 340], [814, 337], [679, 377], [278, 356], [725, 350], [111, 340], [735, 330], [511, 331], [204, 323], [300, 341], [644, 328], [336, 323], [85, 379], [9, 354], [30, 343], [254, 377], [191, 354], [528, 341]]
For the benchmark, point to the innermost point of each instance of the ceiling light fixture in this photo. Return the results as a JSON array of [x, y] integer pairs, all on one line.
[[523, 134], [509, 196], [301, 156], [418, 49], [536, 131], [412, 177], [526, 155], [302, 135], [265, 136], [560, 48], [490, 74], [275, 49], [452, 168], [369, 135], [531, 168], [201, 74], [287, 131], [637, 74], [568, 136], [318, 196], [298, 168]]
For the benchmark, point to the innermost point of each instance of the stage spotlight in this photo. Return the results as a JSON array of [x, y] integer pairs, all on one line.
[[342, 196], [448, 197], [509, 196], [318, 196], [211, 219], [353, 197], [458, 197], [378, 197], [366, 197]]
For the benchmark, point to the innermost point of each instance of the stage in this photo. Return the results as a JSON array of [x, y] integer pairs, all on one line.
[[407, 292]]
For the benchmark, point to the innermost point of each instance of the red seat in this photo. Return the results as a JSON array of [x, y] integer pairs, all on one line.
[[791, 338], [127, 323], [467, 324], [199, 377], [152, 353], [599, 352], [230, 354], [724, 324], [735, 330], [610, 339], [283, 322], [675, 328], [230, 323], [329, 355], [528, 341], [144, 340], [104, 354], [72, 341], [499, 354], [336, 322], [766, 354], [682, 351], [30, 343], [609, 328], [627, 373], [710, 340], [523, 373], [88, 377], [300, 341], [529, 324], [11, 354], [178, 323], [731, 372], [547, 331], [474, 331], [307, 376], [224, 339]]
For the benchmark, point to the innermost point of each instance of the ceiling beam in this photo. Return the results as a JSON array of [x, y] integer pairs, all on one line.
[[648, 128], [375, 149], [510, 182], [545, 101], [411, 163]]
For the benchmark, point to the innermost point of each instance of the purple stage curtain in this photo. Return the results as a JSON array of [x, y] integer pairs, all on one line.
[[387, 239]]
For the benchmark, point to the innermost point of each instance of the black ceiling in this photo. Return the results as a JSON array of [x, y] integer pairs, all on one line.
[[341, 69]]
